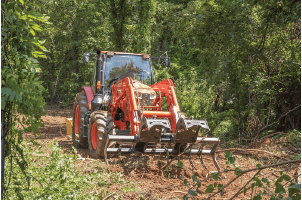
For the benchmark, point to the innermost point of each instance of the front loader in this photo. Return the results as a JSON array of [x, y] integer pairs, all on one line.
[[123, 111]]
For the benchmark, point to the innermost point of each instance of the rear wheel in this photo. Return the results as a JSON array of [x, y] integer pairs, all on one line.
[[100, 126], [80, 109]]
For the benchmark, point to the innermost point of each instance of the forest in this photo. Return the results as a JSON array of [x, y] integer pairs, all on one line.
[[236, 63]]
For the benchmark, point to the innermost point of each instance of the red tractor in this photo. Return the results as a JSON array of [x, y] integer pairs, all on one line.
[[123, 110]]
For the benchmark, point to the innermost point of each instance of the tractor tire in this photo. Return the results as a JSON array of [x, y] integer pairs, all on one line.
[[80, 109], [100, 126]]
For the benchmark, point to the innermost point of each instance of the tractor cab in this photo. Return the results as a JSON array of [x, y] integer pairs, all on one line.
[[111, 67], [135, 66]]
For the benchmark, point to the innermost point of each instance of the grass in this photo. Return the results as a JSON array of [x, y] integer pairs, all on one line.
[[52, 174]]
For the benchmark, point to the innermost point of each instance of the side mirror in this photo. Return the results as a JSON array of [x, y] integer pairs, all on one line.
[[167, 61], [85, 57]]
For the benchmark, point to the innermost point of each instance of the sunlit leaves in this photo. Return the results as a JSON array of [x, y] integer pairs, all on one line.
[[192, 192], [194, 177], [258, 165], [229, 156], [180, 164], [198, 183], [298, 157], [237, 171], [215, 176], [210, 188]]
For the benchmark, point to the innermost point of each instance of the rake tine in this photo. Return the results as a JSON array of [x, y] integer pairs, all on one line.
[[119, 150], [166, 152], [216, 163], [162, 155], [154, 147], [191, 161], [214, 157], [201, 159], [179, 152]]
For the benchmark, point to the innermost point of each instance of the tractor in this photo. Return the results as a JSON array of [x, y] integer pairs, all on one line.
[[124, 111]]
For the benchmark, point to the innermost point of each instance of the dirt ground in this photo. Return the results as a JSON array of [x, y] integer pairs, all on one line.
[[151, 183]]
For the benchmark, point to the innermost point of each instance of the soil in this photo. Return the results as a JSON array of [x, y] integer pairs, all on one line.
[[149, 182]]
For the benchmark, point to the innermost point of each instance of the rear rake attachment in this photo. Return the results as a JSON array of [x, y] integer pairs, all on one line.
[[155, 139]]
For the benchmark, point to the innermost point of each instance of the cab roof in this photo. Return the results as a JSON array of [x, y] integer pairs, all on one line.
[[126, 53]]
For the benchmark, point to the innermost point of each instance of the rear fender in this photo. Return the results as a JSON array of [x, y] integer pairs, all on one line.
[[89, 95]]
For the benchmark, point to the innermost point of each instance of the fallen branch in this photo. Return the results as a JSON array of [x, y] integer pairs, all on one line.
[[271, 135], [265, 127], [257, 150], [249, 170], [109, 195], [178, 192], [230, 142], [292, 144], [37, 180], [272, 165], [253, 169], [227, 185], [239, 191], [182, 192]]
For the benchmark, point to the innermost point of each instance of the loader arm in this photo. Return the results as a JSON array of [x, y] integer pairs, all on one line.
[[123, 97]]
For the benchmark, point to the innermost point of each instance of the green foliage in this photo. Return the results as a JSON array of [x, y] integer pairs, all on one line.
[[237, 171], [194, 177], [232, 50], [21, 86], [21, 89], [258, 165], [229, 156], [210, 188], [180, 164], [294, 136], [298, 157], [56, 176], [294, 189], [215, 176]]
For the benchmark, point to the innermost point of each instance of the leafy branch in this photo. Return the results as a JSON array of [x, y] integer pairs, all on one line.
[[238, 173]]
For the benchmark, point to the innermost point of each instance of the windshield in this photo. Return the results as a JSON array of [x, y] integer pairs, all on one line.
[[133, 66]]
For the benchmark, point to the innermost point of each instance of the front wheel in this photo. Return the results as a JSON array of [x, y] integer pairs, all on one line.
[[100, 126]]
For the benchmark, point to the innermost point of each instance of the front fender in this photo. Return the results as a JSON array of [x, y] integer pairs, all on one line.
[[89, 95]]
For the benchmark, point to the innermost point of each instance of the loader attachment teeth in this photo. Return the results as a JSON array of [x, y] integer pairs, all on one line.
[[168, 150], [151, 129], [187, 130], [201, 158]]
